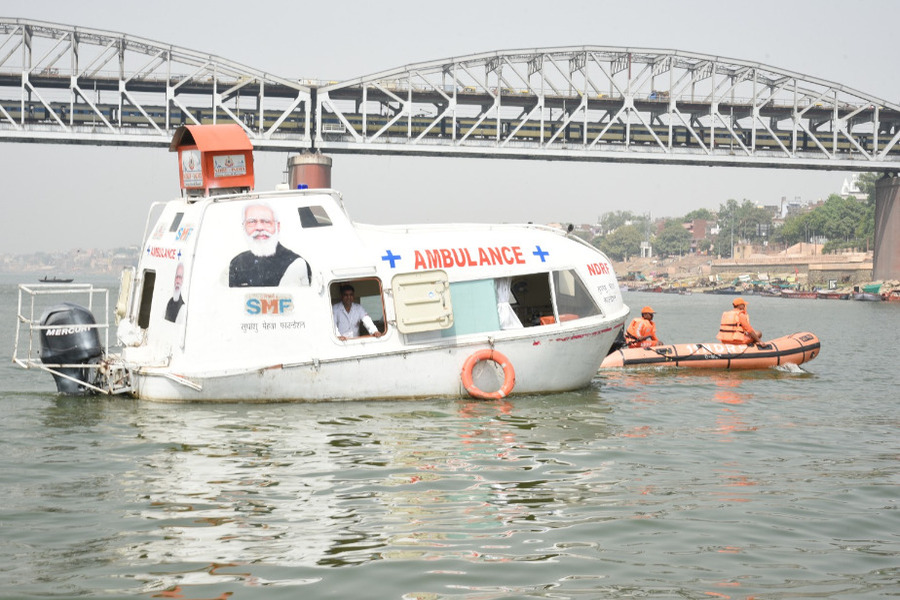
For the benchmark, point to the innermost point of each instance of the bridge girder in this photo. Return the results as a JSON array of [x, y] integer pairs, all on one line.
[[611, 104], [65, 84]]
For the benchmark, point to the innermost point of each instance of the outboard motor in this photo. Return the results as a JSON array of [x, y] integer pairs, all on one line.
[[70, 339]]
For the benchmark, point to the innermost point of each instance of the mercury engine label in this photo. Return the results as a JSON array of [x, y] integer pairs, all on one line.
[[66, 330]]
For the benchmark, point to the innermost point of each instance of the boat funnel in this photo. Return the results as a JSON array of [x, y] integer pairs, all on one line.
[[309, 170]]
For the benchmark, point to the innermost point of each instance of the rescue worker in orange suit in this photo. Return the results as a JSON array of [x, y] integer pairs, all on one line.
[[641, 333], [735, 327]]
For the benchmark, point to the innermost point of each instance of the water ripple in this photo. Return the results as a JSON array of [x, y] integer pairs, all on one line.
[[648, 484]]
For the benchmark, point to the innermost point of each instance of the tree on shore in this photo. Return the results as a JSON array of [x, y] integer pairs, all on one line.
[[673, 240], [699, 214], [625, 241], [843, 222], [741, 223], [865, 230], [611, 221]]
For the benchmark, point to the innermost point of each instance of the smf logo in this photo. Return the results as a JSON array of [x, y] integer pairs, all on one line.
[[183, 233], [269, 304]]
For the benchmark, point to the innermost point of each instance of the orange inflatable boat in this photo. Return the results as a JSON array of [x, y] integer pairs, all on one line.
[[796, 348]]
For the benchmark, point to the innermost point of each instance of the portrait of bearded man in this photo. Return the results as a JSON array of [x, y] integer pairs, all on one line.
[[176, 302], [267, 263]]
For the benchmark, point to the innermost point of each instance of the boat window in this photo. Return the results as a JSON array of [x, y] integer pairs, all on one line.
[[508, 317], [313, 216], [367, 293], [474, 308], [504, 303], [176, 222], [573, 301], [146, 299], [499, 304], [530, 298]]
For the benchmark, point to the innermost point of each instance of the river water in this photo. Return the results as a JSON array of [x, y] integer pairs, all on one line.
[[648, 484]]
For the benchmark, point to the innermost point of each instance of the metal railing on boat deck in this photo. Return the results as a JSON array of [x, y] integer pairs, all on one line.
[[110, 376]]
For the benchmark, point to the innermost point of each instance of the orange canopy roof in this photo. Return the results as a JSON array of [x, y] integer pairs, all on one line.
[[211, 138]]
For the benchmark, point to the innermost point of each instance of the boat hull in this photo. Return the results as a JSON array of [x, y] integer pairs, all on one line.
[[556, 360], [796, 348], [867, 297], [802, 295], [833, 295]]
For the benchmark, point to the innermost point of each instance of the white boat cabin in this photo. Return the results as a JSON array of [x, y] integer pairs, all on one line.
[[238, 295]]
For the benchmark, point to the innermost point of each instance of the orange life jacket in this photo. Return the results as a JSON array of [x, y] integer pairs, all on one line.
[[731, 331], [638, 328]]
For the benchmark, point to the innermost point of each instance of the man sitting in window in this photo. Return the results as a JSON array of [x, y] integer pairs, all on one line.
[[348, 315]]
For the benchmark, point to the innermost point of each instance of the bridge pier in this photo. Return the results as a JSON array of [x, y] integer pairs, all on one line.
[[887, 228], [313, 170]]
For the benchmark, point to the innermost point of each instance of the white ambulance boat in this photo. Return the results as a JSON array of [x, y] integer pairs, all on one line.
[[239, 296]]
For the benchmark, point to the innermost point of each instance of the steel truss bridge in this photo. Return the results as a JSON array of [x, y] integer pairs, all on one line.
[[64, 84]]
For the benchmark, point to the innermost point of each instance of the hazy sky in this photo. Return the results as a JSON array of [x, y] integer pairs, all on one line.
[[59, 197]]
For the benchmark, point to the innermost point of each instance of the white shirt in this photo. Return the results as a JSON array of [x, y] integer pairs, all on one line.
[[347, 323]]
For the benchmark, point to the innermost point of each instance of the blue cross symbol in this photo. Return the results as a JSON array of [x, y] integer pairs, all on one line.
[[541, 253], [390, 256]]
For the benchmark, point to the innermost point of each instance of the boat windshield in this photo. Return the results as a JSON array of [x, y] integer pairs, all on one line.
[[521, 301], [572, 297], [515, 302]]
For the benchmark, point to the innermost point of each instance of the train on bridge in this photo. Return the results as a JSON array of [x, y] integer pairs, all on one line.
[[387, 128]]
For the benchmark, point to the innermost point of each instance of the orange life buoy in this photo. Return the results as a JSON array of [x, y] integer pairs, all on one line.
[[509, 375]]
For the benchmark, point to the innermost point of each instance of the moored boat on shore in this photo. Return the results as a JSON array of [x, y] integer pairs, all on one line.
[[801, 294], [832, 295], [727, 290], [683, 291]]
